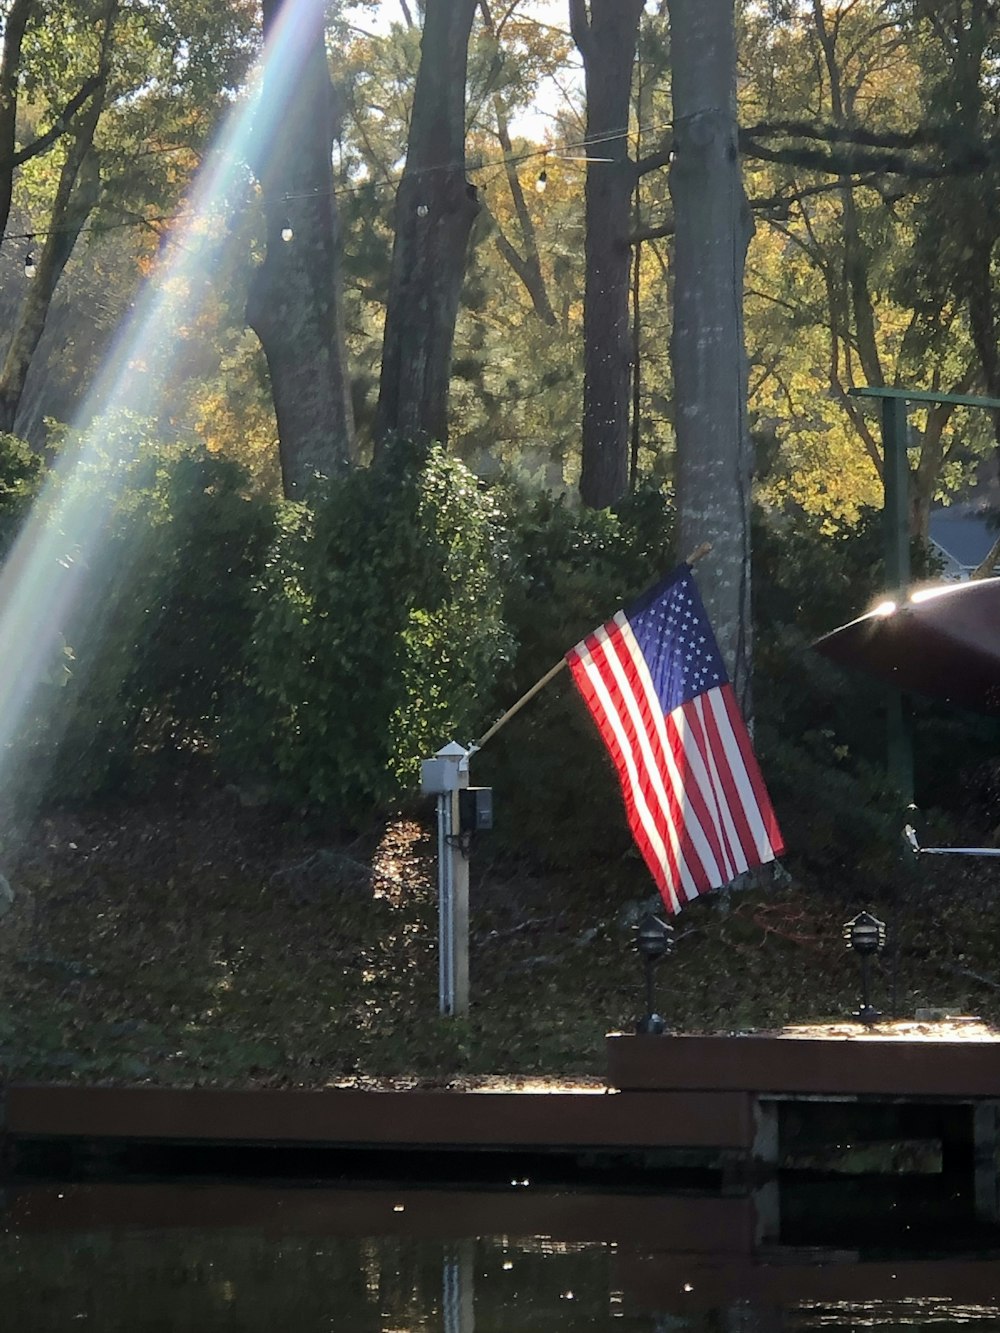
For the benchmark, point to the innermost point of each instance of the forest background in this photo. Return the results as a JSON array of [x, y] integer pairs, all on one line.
[[253, 576]]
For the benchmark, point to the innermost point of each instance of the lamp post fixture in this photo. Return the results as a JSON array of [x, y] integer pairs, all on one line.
[[865, 934], [653, 941]]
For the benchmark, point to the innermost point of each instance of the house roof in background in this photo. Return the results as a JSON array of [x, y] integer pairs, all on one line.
[[965, 532]]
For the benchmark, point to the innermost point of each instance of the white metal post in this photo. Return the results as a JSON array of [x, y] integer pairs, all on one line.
[[445, 775], [459, 876], [445, 933]]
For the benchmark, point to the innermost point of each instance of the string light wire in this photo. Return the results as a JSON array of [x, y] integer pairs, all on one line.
[[563, 151]]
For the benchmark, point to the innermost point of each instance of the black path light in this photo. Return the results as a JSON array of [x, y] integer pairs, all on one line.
[[653, 940], [865, 934]]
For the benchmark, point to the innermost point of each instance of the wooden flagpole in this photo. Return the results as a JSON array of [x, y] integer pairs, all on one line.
[[697, 554], [516, 708]]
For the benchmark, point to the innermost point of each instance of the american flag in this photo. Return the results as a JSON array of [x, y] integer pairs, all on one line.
[[655, 683]]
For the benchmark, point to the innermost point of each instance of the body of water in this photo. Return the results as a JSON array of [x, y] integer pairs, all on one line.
[[201, 1257]]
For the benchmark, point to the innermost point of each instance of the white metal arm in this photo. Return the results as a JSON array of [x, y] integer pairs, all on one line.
[[910, 834]]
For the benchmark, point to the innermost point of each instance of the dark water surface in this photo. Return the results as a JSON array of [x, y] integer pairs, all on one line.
[[146, 1258]]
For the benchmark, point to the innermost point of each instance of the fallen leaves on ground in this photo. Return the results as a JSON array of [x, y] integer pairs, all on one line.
[[201, 943]]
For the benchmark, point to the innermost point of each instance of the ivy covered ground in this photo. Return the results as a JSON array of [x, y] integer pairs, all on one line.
[[202, 942]]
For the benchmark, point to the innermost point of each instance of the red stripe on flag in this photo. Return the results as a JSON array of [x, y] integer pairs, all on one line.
[[665, 871], [733, 795], [694, 795], [699, 740], [667, 818], [770, 821], [680, 747], [664, 876], [592, 642]]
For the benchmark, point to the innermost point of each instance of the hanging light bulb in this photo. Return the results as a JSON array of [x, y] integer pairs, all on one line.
[[29, 260], [286, 231], [542, 181]]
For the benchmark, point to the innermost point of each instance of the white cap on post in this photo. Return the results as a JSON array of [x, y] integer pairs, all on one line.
[[447, 771]]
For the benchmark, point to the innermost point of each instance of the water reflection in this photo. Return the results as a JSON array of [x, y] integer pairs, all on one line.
[[158, 1258]]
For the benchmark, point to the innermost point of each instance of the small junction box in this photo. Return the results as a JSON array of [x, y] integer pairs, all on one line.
[[475, 809]]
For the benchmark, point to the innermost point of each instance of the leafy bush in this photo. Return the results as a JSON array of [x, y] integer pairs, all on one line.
[[379, 631], [155, 629], [21, 474]]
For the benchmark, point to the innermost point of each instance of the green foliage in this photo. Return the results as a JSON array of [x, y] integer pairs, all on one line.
[[20, 476], [158, 646], [321, 656], [379, 631], [571, 570], [110, 175], [817, 727]]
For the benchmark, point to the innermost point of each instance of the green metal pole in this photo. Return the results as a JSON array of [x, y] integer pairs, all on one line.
[[896, 539], [896, 481]]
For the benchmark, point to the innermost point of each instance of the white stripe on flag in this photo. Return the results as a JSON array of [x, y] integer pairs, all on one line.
[[627, 639]]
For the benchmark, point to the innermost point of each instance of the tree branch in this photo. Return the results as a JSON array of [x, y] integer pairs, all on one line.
[[58, 127], [640, 234], [579, 26], [973, 159], [654, 161], [852, 163], [777, 204], [924, 136]]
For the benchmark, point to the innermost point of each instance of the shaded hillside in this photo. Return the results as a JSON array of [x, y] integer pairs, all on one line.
[[203, 942]]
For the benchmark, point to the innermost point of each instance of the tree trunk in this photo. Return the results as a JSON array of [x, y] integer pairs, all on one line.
[[76, 197], [607, 40], [435, 210], [713, 229], [16, 21], [294, 302]]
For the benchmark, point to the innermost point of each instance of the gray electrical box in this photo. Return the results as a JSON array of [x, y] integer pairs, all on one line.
[[437, 776], [475, 809], [447, 771]]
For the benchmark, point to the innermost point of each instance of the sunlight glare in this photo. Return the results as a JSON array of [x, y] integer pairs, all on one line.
[[926, 594], [52, 568]]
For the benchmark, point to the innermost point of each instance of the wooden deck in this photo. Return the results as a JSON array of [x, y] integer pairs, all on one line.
[[344, 1117], [719, 1094], [897, 1061]]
